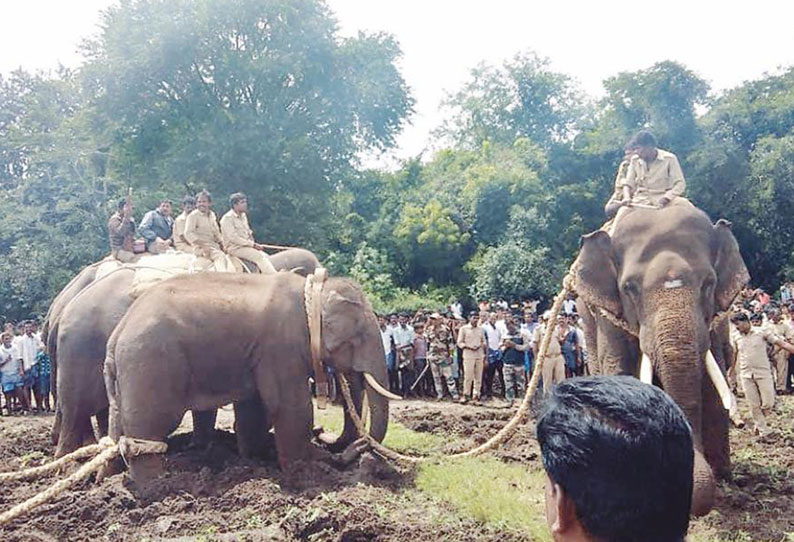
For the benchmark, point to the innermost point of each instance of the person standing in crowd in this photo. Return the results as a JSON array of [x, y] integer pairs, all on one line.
[[471, 340], [569, 345], [404, 344], [569, 305], [439, 350], [493, 339], [750, 344], [180, 243], [238, 238], [528, 330], [601, 440], [12, 374], [394, 375], [780, 358], [45, 371], [29, 345], [422, 383], [514, 345], [121, 232], [157, 228], [554, 364], [203, 233], [387, 338]]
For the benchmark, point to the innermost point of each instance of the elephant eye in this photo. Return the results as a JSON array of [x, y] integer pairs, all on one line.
[[630, 287]]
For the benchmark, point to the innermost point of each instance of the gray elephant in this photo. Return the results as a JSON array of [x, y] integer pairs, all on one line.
[[662, 277], [236, 338], [84, 327]]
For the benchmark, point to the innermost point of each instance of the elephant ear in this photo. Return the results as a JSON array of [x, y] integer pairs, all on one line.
[[596, 279], [731, 272], [339, 320]]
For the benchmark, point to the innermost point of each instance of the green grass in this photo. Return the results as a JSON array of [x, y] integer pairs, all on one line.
[[488, 490], [398, 437]]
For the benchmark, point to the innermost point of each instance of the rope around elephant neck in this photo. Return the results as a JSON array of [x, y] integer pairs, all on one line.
[[505, 432]]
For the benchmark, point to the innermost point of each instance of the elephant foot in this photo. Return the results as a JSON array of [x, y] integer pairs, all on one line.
[[111, 468], [145, 469]]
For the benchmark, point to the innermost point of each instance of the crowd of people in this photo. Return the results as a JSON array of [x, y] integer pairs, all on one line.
[[25, 369], [762, 335], [489, 355], [196, 230]]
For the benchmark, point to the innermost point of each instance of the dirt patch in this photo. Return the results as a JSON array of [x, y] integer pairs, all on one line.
[[215, 495]]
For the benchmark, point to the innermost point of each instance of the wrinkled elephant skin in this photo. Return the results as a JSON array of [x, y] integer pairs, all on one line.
[[666, 273], [231, 338]]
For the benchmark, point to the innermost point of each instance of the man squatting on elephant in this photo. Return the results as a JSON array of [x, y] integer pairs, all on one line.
[[649, 291], [252, 329]]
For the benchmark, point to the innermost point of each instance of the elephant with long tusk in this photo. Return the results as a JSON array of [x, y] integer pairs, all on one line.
[[653, 296], [241, 338]]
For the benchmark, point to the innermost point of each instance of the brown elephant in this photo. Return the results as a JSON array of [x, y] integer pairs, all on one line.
[[83, 329], [235, 338], [664, 275]]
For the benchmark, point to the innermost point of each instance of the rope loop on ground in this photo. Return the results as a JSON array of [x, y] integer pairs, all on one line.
[[505, 432]]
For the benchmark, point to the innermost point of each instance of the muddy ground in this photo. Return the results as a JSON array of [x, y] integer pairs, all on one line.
[[215, 495]]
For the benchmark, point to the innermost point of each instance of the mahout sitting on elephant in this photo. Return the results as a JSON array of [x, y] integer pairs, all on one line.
[[661, 285], [81, 333], [233, 338]]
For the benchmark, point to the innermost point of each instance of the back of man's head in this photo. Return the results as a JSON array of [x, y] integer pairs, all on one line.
[[621, 452]]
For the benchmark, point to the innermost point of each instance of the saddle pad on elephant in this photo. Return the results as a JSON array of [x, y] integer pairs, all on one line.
[[153, 268]]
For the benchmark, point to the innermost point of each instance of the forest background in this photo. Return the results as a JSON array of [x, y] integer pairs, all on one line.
[[265, 97]]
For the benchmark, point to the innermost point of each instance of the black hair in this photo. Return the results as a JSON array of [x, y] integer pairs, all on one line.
[[739, 317], [756, 316], [121, 203], [622, 452], [643, 138], [236, 198], [189, 200]]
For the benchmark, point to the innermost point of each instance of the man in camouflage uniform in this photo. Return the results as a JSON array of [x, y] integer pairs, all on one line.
[[439, 348]]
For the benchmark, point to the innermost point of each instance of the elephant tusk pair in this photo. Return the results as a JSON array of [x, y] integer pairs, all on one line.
[[380, 389], [712, 369]]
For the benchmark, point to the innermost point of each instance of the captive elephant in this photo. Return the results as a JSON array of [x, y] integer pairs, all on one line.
[[234, 338], [666, 274], [84, 328]]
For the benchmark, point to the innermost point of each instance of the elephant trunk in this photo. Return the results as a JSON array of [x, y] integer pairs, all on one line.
[[678, 364]]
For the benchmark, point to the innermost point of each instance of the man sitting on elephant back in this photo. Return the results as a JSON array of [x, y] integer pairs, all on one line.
[[203, 234], [238, 238], [180, 243]]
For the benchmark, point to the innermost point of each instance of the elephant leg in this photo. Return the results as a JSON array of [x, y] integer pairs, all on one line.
[[145, 468], [56, 425], [75, 431], [203, 427], [251, 427], [102, 422]]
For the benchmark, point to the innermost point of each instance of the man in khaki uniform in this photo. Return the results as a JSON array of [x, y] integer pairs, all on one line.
[[753, 365], [238, 237], [471, 340], [780, 356], [180, 243], [554, 364], [203, 233], [654, 176]]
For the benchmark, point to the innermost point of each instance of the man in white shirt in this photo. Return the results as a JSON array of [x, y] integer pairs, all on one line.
[[404, 336], [11, 373], [569, 305], [493, 364], [29, 345]]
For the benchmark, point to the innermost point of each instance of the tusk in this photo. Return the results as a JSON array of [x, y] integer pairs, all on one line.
[[718, 379], [365, 410], [380, 389], [646, 369]]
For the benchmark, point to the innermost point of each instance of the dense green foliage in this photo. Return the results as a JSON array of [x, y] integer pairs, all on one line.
[[266, 97]]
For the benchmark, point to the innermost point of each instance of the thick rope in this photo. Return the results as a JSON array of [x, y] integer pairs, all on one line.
[[505, 432], [109, 452], [41, 470]]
